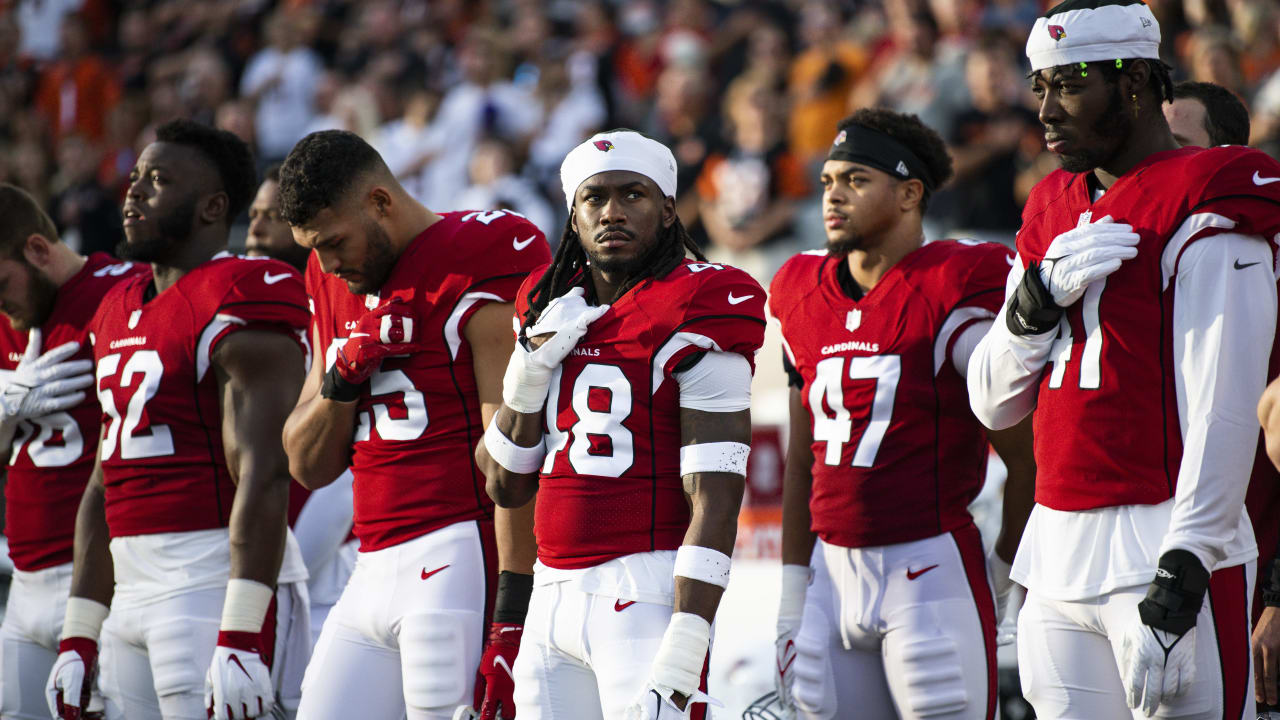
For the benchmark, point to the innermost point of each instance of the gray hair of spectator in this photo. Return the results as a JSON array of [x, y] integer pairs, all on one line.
[[228, 154], [1225, 117], [321, 169], [22, 217]]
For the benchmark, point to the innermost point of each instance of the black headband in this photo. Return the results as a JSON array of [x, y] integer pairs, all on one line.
[[866, 146]]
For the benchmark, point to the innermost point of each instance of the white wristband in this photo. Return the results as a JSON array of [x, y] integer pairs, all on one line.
[[719, 457], [246, 605], [702, 563], [83, 618], [681, 655], [512, 457], [525, 385]]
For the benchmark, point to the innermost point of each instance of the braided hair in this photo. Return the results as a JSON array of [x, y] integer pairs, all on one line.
[[570, 267]]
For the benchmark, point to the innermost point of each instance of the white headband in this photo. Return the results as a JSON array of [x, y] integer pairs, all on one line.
[[1082, 31], [618, 150]]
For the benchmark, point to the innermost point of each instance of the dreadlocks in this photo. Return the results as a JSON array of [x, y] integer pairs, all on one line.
[[569, 267]]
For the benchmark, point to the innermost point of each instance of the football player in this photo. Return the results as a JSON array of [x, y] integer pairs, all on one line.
[[636, 364], [412, 315], [269, 235], [1206, 115], [181, 530], [320, 521], [1136, 331], [48, 420], [885, 455]]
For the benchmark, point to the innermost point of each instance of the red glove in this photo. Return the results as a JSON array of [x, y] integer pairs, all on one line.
[[379, 334], [495, 682]]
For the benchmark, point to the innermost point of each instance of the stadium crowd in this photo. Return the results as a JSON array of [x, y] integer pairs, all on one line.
[[476, 103]]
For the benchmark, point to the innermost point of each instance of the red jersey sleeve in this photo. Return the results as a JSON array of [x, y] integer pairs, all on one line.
[[984, 284], [262, 295], [522, 296], [1242, 185], [724, 313]]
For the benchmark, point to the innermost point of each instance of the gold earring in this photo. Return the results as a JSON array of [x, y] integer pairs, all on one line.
[[1134, 97]]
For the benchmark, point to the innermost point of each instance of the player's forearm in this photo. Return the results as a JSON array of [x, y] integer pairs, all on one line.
[[1015, 448], [513, 528], [93, 572], [258, 525], [715, 500], [317, 439], [1223, 326], [1004, 375], [798, 538], [1269, 418], [508, 488]]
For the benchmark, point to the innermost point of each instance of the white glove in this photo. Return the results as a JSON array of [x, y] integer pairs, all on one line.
[[1083, 254], [1003, 587], [677, 668], [653, 705], [43, 384], [73, 672], [528, 376], [238, 684], [795, 583], [1155, 665]]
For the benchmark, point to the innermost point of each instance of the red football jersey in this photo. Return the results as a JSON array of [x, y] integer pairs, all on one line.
[[611, 483], [52, 456], [163, 465], [1107, 431], [419, 415], [897, 453]]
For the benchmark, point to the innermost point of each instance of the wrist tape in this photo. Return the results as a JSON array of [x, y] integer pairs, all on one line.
[[515, 458], [681, 655], [719, 457], [702, 563], [795, 585], [525, 385], [83, 618], [246, 605]]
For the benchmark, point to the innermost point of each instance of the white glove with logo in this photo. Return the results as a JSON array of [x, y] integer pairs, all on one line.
[[795, 584], [71, 690], [528, 376], [238, 684], [48, 383], [1083, 254]]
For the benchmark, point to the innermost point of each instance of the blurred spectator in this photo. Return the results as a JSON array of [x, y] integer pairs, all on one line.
[[86, 213], [406, 143], [1206, 115], [573, 108], [78, 89], [124, 125], [281, 79], [484, 104], [916, 76], [495, 186], [1215, 58], [989, 144], [637, 63], [270, 236], [40, 21], [29, 169], [682, 120], [822, 77], [749, 194]]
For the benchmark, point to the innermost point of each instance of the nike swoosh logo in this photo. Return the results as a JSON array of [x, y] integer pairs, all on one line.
[[356, 335], [1009, 259], [501, 662], [918, 573], [735, 300], [232, 658], [619, 606], [519, 244], [789, 651], [270, 279], [1238, 266], [426, 574], [1259, 180]]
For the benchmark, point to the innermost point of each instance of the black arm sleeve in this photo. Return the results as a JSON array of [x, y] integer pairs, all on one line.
[[793, 375]]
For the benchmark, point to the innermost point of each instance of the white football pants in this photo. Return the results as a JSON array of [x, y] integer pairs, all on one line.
[[154, 656], [1068, 654], [586, 656], [29, 640], [408, 631], [903, 630]]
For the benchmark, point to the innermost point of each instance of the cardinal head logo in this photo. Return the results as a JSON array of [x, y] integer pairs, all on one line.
[[603, 145], [853, 320], [1057, 32]]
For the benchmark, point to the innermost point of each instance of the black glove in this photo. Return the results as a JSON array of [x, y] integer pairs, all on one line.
[[1032, 310]]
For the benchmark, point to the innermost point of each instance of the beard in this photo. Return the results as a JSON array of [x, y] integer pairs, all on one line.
[[627, 267], [42, 293], [845, 245], [1111, 129], [173, 228], [379, 259]]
